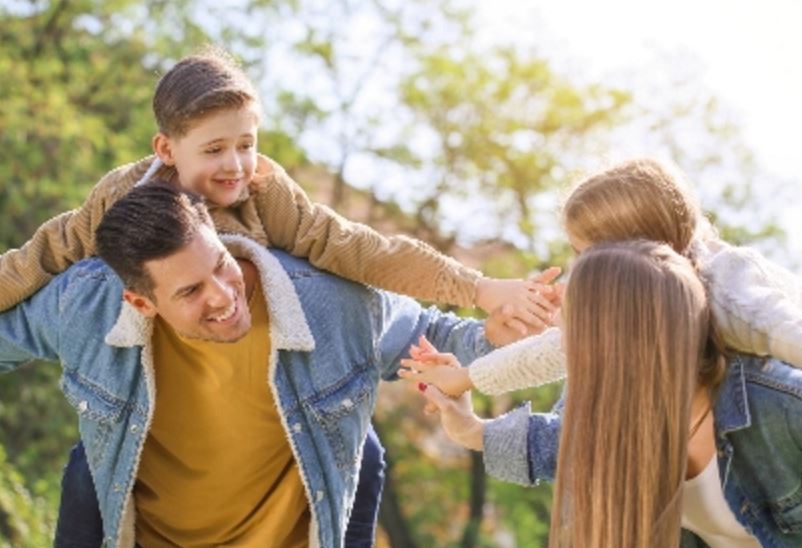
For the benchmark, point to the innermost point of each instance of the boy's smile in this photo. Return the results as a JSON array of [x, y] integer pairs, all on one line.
[[216, 157]]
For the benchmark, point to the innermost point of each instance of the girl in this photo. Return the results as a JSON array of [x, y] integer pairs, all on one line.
[[756, 305], [656, 430]]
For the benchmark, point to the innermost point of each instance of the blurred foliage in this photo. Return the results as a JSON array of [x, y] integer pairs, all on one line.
[[460, 141]]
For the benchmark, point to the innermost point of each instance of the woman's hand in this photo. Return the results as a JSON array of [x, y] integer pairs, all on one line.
[[440, 369], [459, 421]]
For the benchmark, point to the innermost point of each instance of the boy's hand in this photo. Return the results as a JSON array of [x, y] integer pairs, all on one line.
[[533, 302], [440, 369]]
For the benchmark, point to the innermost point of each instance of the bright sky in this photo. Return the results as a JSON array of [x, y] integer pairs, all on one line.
[[749, 51]]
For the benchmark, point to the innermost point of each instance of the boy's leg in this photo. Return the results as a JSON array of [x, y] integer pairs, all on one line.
[[361, 530], [79, 523]]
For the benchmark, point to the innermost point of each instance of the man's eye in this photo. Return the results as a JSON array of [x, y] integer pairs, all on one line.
[[191, 291], [246, 146], [214, 150]]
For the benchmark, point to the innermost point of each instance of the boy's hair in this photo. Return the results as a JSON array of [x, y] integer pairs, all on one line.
[[636, 333], [200, 85], [151, 222], [640, 198]]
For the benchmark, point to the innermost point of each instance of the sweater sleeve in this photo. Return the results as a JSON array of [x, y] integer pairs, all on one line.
[[530, 362], [63, 240], [356, 251], [756, 304]]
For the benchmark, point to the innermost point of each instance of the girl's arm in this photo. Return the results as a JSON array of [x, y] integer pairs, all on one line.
[[530, 362], [756, 304], [63, 240]]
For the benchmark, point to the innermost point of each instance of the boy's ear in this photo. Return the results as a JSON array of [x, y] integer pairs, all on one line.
[[163, 148], [142, 304]]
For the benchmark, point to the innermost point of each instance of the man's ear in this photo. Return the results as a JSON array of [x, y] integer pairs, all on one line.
[[163, 148], [142, 304]]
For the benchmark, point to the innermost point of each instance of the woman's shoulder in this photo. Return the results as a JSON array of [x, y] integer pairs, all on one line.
[[772, 375]]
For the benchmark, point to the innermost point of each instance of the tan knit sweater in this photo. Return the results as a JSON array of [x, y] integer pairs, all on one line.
[[275, 212]]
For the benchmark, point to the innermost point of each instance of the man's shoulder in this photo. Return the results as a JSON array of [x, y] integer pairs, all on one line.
[[88, 280]]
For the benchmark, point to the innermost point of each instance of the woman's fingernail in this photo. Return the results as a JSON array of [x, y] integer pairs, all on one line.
[[422, 386]]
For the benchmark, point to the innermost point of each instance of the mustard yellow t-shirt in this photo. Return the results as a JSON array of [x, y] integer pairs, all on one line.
[[216, 468]]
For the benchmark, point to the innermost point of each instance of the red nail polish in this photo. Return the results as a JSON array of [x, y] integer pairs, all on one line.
[[422, 387]]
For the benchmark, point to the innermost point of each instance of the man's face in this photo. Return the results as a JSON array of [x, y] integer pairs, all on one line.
[[199, 291], [216, 157]]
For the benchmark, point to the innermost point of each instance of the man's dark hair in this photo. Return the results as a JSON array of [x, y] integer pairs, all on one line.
[[151, 222]]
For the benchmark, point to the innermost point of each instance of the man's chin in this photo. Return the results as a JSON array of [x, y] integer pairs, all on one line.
[[229, 335]]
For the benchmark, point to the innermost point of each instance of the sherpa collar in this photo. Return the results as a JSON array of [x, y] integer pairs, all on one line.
[[289, 329]]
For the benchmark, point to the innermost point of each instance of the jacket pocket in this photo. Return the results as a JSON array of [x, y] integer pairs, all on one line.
[[98, 414], [344, 414], [787, 512]]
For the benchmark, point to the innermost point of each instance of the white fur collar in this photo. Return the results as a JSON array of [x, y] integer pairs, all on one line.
[[289, 329]]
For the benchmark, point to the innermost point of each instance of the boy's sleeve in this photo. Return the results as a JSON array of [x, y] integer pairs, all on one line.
[[356, 251], [528, 363], [64, 239]]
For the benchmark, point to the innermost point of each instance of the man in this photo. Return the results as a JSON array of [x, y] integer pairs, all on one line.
[[258, 444]]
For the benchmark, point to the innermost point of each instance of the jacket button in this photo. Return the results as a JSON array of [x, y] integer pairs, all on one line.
[[297, 427], [347, 403], [83, 406], [134, 429], [319, 496]]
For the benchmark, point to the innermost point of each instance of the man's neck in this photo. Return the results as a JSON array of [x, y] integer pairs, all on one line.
[[250, 275]]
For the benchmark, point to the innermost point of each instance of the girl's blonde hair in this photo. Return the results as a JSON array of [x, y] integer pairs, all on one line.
[[640, 198], [636, 336]]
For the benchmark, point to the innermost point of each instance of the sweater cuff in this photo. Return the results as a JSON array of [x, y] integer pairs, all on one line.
[[456, 283]]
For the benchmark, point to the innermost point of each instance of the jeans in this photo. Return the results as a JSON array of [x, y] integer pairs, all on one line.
[[79, 524]]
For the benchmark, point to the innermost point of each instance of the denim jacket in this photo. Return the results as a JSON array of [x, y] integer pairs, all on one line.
[[758, 431], [331, 342]]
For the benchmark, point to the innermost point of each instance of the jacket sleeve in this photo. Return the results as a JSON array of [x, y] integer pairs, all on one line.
[[31, 329], [521, 447], [756, 304], [356, 251], [527, 363], [63, 240], [399, 322]]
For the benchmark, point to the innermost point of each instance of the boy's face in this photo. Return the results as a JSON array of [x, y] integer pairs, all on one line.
[[216, 157], [199, 291]]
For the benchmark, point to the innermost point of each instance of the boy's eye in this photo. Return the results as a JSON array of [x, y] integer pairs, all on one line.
[[246, 146], [214, 150]]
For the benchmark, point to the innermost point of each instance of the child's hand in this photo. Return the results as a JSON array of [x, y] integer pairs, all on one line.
[[533, 301], [440, 369]]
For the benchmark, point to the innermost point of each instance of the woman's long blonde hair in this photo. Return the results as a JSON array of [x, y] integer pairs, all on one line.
[[640, 198], [636, 337]]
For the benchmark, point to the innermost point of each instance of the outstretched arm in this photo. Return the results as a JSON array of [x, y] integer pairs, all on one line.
[[31, 329]]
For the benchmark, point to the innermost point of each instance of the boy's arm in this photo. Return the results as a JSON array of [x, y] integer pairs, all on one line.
[[356, 251], [63, 240]]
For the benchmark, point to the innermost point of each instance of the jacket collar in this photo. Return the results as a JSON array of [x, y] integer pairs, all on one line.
[[732, 404], [289, 329]]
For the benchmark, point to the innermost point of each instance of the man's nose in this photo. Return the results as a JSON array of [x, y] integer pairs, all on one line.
[[220, 294]]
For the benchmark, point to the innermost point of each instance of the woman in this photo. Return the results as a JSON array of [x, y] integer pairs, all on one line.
[[656, 430]]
